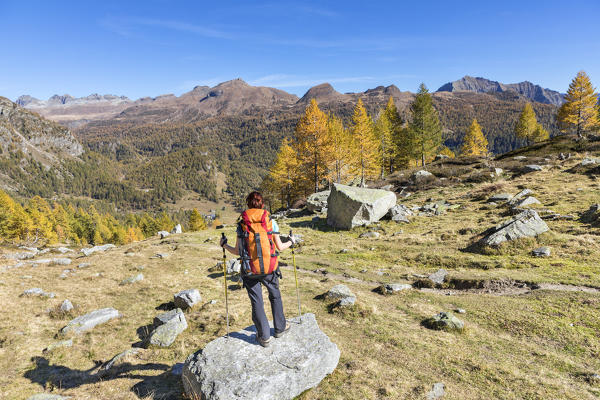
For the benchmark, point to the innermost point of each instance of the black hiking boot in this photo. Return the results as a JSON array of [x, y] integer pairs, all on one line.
[[283, 332], [264, 342]]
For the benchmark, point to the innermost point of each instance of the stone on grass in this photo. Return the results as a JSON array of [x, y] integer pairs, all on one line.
[[444, 321], [369, 235], [177, 229], [117, 360], [48, 396], [187, 298], [436, 392], [57, 345], [96, 249], [349, 207], [162, 234], [422, 176], [528, 201], [438, 277], [542, 252], [461, 311], [316, 202], [37, 292], [339, 292], [589, 161], [239, 369], [84, 265], [233, 266], [66, 306], [133, 279], [167, 327], [500, 198], [20, 256], [592, 215], [90, 320], [520, 195], [391, 288], [399, 213], [526, 224], [532, 168]]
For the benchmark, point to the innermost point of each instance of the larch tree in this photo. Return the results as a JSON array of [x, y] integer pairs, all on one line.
[[312, 144], [579, 112], [528, 128], [389, 120], [341, 145], [474, 142], [196, 222], [284, 177], [425, 129], [365, 150]]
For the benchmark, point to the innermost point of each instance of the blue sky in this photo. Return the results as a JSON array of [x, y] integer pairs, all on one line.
[[153, 47]]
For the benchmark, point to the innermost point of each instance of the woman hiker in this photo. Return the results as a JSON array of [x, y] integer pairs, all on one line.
[[256, 245]]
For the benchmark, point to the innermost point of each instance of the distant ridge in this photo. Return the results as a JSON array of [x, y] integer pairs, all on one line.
[[526, 89]]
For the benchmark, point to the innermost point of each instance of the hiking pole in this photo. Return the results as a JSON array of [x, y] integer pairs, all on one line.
[[296, 276], [225, 280]]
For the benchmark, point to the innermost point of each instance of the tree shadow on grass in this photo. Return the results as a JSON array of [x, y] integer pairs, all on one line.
[[163, 386]]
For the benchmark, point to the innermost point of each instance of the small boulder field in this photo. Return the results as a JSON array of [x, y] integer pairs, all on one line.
[[468, 278]]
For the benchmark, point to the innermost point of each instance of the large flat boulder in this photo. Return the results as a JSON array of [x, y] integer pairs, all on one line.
[[349, 206], [90, 320], [239, 369], [526, 224]]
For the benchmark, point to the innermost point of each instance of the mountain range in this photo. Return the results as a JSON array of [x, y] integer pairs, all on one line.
[[237, 97], [526, 89]]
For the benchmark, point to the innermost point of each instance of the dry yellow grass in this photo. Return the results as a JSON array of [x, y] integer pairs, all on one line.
[[539, 345]]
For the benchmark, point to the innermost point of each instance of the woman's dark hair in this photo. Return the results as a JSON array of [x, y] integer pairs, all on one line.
[[254, 200]]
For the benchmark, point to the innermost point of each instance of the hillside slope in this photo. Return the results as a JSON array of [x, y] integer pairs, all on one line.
[[531, 323]]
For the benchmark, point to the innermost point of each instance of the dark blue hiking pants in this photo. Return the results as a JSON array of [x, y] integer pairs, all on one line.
[[259, 317]]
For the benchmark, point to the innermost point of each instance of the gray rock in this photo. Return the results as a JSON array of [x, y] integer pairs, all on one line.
[[90, 320], [421, 176], [177, 229], [57, 345], [519, 158], [542, 252], [343, 251], [167, 327], [532, 168], [500, 198], [233, 266], [526, 224], [441, 157], [162, 234], [63, 250], [438, 277], [436, 392], [96, 249], [161, 255], [391, 288], [187, 298], [520, 195], [563, 156], [592, 215], [37, 292], [589, 161], [48, 396], [348, 207], [369, 235], [317, 201], [66, 306], [133, 279], [444, 321], [84, 265], [399, 213], [291, 365], [339, 292], [20, 256], [461, 311], [528, 201], [117, 360]]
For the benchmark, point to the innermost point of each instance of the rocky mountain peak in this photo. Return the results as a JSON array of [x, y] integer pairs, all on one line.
[[323, 92]]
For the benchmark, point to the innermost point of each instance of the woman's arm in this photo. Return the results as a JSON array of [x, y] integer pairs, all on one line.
[[280, 245], [233, 250]]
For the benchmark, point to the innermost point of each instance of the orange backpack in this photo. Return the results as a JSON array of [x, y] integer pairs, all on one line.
[[258, 255]]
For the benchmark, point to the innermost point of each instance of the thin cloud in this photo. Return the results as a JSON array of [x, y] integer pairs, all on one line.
[[127, 27]]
